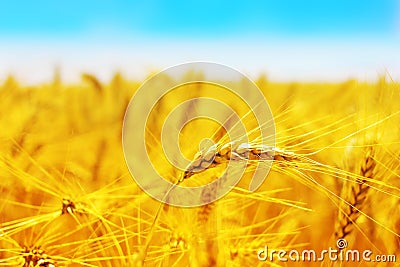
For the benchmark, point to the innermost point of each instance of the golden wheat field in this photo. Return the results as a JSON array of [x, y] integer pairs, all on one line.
[[68, 199]]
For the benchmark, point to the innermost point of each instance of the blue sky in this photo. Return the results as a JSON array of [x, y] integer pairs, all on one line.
[[203, 19], [291, 40]]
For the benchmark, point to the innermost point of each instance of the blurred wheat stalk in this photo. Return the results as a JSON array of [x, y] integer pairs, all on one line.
[[67, 198]]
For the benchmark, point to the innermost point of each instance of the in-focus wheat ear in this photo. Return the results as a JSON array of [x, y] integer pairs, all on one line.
[[232, 151]]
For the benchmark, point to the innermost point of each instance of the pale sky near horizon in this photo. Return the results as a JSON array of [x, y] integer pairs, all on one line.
[[287, 40]]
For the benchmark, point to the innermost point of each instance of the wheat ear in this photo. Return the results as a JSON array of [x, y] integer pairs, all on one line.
[[232, 151], [37, 257], [357, 196]]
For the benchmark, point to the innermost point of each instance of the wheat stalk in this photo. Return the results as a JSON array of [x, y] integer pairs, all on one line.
[[207, 224]]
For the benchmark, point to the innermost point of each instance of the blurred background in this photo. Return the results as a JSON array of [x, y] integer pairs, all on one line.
[[285, 40]]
